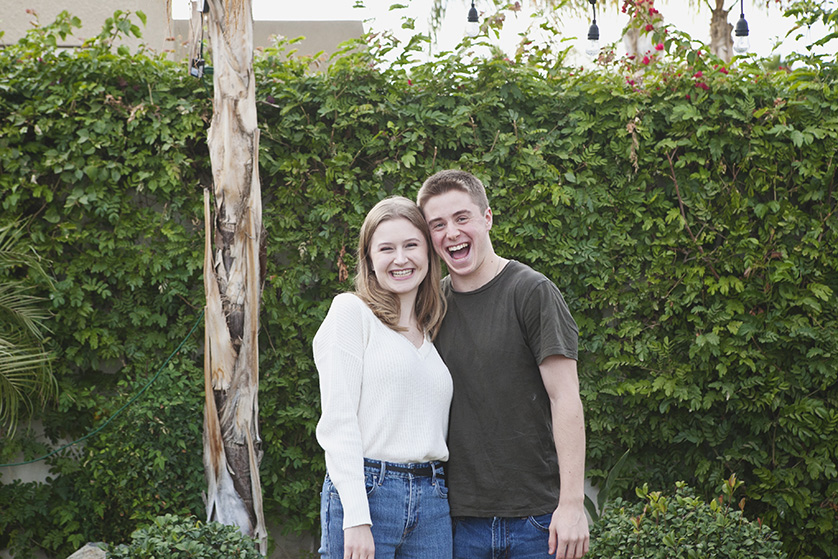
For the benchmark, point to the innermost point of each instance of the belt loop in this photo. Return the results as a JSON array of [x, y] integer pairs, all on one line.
[[434, 466], [383, 471]]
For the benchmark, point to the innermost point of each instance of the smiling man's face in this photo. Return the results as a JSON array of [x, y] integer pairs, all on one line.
[[460, 234]]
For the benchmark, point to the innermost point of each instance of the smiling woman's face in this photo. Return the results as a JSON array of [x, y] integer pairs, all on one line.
[[399, 256]]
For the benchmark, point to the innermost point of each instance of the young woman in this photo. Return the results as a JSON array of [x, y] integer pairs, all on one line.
[[385, 394]]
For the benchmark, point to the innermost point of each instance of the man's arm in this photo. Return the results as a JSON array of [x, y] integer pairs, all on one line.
[[569, 537]]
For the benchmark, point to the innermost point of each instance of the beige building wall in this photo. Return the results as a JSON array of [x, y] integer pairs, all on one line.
[[14, 20], [320, 36], [161, 33]]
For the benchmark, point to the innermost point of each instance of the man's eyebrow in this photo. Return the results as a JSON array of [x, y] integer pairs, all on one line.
[[458, 213]]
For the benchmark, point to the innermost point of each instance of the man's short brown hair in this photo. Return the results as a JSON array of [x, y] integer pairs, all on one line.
[[453, 179]]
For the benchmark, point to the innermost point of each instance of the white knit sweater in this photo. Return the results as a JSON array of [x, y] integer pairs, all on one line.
[[382, 398]]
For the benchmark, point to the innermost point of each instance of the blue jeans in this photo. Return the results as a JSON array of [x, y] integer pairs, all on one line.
[[410, 515], [501, 538]]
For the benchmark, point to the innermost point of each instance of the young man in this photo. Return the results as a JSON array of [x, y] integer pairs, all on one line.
[[516, 434]]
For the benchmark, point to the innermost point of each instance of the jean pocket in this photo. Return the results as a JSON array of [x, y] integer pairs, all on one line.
[[541, 522], [440, 488], [371, 483], [328, 487]]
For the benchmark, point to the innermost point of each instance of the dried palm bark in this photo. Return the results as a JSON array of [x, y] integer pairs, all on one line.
[[233, 274]]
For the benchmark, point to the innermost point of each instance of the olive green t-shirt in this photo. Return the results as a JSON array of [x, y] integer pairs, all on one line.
[[502, 456]]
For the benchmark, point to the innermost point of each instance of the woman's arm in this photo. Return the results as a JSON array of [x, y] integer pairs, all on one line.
[[338, 354]]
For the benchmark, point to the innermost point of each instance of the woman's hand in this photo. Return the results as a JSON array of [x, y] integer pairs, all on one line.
[[357, 543]]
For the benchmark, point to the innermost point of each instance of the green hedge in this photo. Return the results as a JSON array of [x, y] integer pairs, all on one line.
[[175, 537], [681, 526], [693, 232]]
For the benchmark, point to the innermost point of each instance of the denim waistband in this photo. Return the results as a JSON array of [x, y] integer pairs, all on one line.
[[432, 469]]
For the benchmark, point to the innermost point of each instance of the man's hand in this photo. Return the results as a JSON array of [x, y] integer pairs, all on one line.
[[357, 543], [569, 537]]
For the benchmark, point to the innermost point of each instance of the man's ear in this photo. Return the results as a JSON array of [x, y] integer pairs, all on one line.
[[489, 219]]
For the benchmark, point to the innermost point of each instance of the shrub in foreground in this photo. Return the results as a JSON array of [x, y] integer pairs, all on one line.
[[176, 537], [682, 526]]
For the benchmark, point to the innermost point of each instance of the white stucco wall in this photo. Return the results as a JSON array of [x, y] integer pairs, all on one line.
[[14, 20], [161, 33]]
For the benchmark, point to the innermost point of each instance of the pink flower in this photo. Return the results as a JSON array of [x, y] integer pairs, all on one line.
[[723, 70], [698, 74], [703, 86], [649, 27], [409, 82], [688, 95], [646, 60], [659, 46]]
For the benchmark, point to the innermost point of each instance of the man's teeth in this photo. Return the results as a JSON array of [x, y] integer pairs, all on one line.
[[402, 273], [458, 247]]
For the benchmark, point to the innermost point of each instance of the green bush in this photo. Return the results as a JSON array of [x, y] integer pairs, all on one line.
[[681, 526], [175, 537], [145, 463]]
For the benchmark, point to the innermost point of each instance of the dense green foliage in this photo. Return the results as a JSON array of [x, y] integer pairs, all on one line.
[[689, 219], [681, 526], [186, 538], [25, 373], [145, 463]]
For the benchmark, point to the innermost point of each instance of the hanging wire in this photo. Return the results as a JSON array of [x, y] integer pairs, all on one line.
[[120, 410]]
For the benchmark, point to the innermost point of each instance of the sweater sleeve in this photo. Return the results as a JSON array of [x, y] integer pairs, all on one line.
[[338, 354]]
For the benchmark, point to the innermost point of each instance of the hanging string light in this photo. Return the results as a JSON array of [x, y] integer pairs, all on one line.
[[473, 22], [593, 34], [741, 44]]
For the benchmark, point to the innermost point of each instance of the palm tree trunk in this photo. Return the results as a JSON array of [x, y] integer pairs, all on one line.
[[721, 41], [233, 279]]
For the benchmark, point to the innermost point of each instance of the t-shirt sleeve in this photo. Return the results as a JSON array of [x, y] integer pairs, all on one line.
[[338, 350], [550, 328]]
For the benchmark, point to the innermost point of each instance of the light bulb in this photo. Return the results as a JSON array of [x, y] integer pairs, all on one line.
[[473, 22], [741, 45], [592, 48]]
